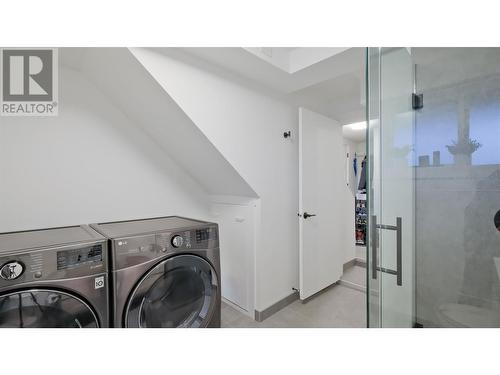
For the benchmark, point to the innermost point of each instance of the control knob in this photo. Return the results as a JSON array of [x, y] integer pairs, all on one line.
[[11, 270], [177, 241]]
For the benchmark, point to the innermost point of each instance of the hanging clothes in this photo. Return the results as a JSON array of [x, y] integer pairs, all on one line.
[[362, 177], [355, 164]]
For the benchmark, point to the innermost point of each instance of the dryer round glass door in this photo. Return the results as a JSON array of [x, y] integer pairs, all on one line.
[[45, 308], [179, 292]]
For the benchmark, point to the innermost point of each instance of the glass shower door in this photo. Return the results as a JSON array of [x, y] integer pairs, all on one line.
[[457, 187], [390, 189]]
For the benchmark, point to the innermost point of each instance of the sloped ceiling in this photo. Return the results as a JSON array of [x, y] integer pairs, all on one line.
[[333, 86], [118, 74], [292, 60], [244, 63]]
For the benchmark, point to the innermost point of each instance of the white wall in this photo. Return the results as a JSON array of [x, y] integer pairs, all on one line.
[[361, 148], [88, 164], [247, 127], [151, 108]]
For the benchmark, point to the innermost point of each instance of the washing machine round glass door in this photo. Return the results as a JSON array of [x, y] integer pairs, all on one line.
[[179, 292], [45, 308]]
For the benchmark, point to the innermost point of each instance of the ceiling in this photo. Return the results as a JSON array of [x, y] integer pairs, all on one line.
[[354, 133], [330, 82], [291, 60], [332, 86]]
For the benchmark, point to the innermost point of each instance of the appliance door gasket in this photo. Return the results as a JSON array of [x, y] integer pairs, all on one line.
[[183, 288], [46, 307]]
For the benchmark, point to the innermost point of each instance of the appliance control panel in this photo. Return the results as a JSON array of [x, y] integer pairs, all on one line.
[[205, 234], [79, 256], [53, 263], [128, 251], [201, 238]]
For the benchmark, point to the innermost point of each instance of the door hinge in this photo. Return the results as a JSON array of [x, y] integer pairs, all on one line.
[[417, 101]]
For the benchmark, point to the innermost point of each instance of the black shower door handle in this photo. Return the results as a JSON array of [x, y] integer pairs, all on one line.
[[399, 248]]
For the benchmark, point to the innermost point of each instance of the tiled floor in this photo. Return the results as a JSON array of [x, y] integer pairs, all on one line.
[[336, 307], [355, 275]]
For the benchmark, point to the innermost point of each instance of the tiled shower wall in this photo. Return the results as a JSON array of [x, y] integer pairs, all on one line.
[[457, 243]]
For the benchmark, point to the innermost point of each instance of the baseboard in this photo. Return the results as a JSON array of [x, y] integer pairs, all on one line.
[[349, 264], [325, 289], [273, 309], [352, 285], [354, 262], [236, 307], [360, 262]]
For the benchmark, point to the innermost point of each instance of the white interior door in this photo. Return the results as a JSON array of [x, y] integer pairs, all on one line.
[[322, 192]]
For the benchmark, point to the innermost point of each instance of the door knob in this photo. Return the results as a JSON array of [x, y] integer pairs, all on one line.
[[306, 215]]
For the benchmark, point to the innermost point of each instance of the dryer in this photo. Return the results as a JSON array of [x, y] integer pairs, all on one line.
[[53, 278], [165, 272]]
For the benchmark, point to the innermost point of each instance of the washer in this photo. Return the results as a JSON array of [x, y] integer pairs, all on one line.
[[165, 272], [54, 278]]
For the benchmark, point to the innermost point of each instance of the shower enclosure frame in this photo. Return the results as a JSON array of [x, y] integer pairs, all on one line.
[[390, 250]]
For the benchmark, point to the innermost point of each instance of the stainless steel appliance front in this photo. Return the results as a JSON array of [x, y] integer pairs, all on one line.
[[165, 272], [54, 278]]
